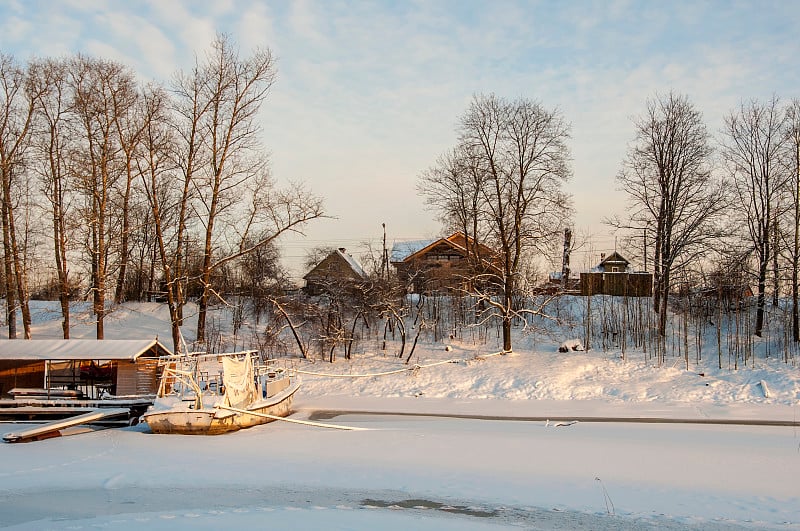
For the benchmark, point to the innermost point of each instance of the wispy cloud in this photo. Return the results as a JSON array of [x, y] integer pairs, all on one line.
[[368, 92]]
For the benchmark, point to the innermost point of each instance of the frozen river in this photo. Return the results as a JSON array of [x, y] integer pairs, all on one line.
[[408, 472]]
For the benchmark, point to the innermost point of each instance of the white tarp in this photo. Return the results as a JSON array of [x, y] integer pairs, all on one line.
[[239, 380]]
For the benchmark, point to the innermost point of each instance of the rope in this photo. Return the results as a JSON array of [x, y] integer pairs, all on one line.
[[295, 421], [412, 368]]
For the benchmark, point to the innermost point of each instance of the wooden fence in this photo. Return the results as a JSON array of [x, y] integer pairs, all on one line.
[[620, 284]]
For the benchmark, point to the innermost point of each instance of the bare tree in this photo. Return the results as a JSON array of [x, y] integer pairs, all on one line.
[[674, 197], [453, 187], [128, 125], [17, 105], [793, 181], [504, 180], [191, 105], [53, 146], [234, 196], [754, 137], [156, 169], [102, 91]]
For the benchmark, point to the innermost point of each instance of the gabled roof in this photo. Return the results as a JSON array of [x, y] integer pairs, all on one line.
[[420, 252], [324, 266], [402, 250], [614, 257], [80, 349], [354, 265], [410, 251]]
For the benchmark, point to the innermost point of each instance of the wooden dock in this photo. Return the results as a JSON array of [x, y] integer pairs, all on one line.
[[54, 428]]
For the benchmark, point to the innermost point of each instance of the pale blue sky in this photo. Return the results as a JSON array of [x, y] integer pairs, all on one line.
[[368, 93]]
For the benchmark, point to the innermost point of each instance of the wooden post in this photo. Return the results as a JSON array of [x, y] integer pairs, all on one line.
[[589, 315]]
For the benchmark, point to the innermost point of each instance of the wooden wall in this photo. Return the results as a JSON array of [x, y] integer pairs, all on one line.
[[137, 378], [20, 374]]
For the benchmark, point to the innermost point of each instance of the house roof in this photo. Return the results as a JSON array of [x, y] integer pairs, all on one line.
[[81, 349], [432, 244], [338, 254], [354, 264], [614, 257], [411, 250], [402, 250]]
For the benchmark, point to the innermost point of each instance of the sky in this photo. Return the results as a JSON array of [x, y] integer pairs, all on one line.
[[369, 93]]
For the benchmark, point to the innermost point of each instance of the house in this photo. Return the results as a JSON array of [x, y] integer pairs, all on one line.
[[337, 270], [446, 264], [613, 276], [80, 367], [613, 263]]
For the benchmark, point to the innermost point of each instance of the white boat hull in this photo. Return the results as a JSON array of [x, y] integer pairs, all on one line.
[[184, 420]]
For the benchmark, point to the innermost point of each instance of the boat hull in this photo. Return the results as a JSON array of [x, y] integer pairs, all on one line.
[[215, 421]]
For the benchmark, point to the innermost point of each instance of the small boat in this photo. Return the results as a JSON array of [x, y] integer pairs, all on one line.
[[211, 394]]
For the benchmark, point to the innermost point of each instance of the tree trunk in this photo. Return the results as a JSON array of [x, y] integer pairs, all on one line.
[[508, 292], [205, 276], [125, 236], [776, 285], [21, 277], [60, 253], [99, 263], [762, 283], [10, 291], [796, 248]]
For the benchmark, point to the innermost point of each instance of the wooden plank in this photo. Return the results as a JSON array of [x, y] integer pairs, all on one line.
[[53, 429]]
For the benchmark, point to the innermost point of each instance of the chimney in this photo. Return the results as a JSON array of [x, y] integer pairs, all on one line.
[[342, 250]]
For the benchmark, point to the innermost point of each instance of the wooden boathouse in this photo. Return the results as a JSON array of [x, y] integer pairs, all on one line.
[[79, 368]]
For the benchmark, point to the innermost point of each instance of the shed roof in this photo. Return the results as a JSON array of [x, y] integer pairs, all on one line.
[[81, 349]]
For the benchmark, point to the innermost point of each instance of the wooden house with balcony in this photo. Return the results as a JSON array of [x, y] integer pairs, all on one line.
[[455, 263]]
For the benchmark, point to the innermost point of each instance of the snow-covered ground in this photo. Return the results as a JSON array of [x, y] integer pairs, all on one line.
[[473, 444]]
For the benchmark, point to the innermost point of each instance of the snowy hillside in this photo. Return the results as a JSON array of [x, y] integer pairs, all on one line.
[[535, 370]]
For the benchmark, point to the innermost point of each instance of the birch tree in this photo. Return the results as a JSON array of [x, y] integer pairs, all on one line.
[[226, 165], [102, 91], [158, 169], [128, 127], [54, 147], [16, 115]]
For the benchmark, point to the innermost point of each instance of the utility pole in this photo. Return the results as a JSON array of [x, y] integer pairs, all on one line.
[[565, 260], [384, 256]]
